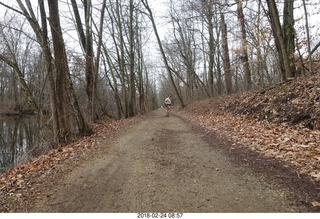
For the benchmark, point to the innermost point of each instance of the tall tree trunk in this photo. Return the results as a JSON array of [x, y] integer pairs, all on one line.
[[97, 62], [278, 37], [209, 15], [61, 71], [308, 37], [288, 30], [140, 63], [87, 45], [258, 47], [44, 41], [119, 71], [225, 54], [64, 88], [244, 50], [132, 89], [90, 72], [122, 63]]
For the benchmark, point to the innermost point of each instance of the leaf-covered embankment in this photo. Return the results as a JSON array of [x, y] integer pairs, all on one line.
[[281, 122]]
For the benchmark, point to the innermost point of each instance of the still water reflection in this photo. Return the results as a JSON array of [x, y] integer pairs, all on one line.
[[18, 136]]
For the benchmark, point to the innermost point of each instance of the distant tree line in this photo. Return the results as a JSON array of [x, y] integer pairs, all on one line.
[[217, 46]]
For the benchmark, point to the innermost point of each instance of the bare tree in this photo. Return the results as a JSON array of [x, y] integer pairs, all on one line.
[[208, 10], [279, 39], [132, 89], [244, 42], [142, 86], [64, 88], [12, 61], [97, 61], [121, 57], [61, 71], [308, 35], [150, 15], [288, 32], [225, 54], [86, 40]]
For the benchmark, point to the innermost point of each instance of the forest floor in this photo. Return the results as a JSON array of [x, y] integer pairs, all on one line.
[[249, 152]]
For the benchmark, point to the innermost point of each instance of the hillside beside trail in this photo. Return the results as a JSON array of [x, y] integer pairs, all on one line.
[[281, 122], [250, 152]]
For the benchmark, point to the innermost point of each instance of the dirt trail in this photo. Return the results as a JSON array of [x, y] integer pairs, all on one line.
[[162, 164]]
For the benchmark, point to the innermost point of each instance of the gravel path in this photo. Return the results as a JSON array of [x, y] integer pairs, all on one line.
[[162, 164]]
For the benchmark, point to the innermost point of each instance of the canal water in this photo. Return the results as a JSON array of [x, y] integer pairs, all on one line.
[[18, 138]]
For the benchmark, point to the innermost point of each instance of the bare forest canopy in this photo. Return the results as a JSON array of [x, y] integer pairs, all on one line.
[[77, 62]]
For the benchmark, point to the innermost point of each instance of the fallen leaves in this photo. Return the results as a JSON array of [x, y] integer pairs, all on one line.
[[17, 181], [295, 101], [264, 122]]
